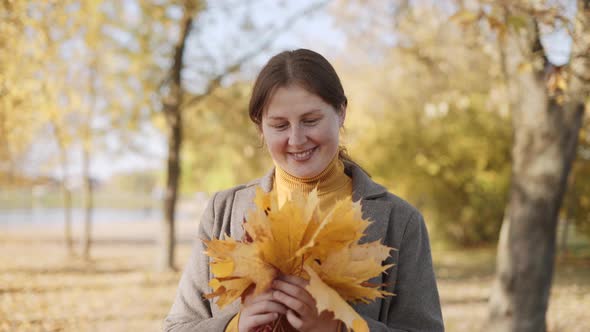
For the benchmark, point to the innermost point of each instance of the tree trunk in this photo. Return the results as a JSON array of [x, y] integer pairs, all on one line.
[[568, 214], [545, 138], [67, 200], [173, 113], [564, 237], [87, 146], [66, 193], [88, 204]]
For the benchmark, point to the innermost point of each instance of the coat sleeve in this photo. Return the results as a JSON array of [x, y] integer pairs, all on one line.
[[190, 311], [416, 306]]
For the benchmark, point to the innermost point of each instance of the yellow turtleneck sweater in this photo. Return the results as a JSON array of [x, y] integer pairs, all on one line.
[[332, 183]]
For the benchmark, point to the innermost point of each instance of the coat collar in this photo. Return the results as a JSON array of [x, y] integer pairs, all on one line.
[[363, 189]]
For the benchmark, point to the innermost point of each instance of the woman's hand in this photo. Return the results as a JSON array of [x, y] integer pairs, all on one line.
[[258, 311], [302, 313]]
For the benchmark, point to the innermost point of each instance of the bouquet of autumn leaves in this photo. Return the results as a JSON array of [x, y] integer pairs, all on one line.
[[297, 239]]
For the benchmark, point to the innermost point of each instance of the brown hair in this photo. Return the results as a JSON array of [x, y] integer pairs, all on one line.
[[303, 67]]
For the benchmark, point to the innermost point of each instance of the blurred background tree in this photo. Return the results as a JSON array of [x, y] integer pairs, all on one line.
[[576, 209], [442, 142], [223, 148]]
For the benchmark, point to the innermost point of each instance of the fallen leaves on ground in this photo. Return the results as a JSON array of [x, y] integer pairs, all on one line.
[[41, 290]]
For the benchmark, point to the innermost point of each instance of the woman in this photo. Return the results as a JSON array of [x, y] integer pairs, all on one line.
[[299, 106]]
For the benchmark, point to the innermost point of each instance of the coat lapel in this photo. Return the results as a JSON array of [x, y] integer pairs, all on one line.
[[243, 202], [377, 212], [374, 210]]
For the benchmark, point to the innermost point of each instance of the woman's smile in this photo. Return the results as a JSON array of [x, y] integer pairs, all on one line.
[[303, 155]]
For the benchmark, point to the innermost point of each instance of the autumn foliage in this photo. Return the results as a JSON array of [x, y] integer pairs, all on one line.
[[299, 239]]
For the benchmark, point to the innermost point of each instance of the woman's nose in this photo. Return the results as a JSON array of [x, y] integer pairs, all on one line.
[[297, 136]]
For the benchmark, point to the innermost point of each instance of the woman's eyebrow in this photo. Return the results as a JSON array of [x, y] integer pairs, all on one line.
[[304, 114]]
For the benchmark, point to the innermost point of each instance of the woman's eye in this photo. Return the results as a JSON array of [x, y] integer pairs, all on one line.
[[281, 126], [311, 122]]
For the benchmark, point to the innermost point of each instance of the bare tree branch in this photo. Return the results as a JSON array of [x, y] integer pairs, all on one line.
[[216, 81]]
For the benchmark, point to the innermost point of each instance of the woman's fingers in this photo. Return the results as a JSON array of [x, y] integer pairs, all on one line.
[[294, 280], [250, 322], [264, 307], [251, 299], [295, 291], [298, 306], [287, 296], [294, 320], [264, 319], [260, 311]]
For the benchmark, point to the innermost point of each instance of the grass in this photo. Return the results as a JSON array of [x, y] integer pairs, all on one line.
[[43, 290]]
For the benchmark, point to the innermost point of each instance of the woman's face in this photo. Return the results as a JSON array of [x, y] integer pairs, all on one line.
[[301, 131]]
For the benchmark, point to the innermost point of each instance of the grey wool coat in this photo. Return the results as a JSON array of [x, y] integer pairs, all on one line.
[[416, 306]]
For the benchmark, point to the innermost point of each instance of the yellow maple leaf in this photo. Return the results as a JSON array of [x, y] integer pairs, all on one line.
[[266, 201], [258, 227], [280, 233], [348, 270], [297, 239], [328, 299], [228, 289], [236, 266], [342, 226], [288, 228]]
